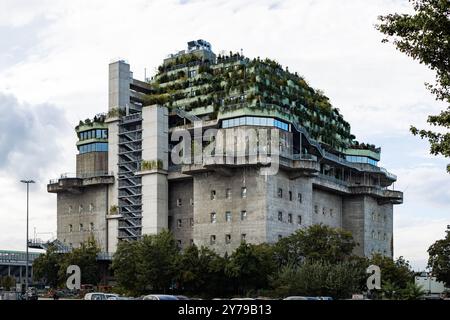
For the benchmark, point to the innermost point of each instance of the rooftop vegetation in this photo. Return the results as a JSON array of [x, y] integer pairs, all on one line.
[[235, 81], [98, 118]]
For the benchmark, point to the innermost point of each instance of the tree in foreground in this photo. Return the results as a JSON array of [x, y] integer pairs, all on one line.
[[439, 260], [46, 267], [86, 258], [124, 266], [425, 36], [250, 266], [317, 242], [318, 278]]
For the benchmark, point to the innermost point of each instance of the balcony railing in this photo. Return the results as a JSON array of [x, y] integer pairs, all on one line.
[[85, 175]]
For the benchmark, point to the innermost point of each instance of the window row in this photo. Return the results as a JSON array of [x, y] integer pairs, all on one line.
[[180, 202], [180, 223], [94, 134], [290, 195], [324, 210], [255, 121], [228, 193], [81, 209], [228, 216], [379, 236], [93, 147], [213, 238], [290, 218], [359, 159], [378, 218], [82, 228]]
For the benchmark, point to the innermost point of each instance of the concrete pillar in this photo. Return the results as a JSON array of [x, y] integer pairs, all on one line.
[[113, 158], [154, 182], [119, 85]]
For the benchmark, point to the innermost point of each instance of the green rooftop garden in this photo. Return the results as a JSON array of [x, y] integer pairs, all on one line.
[[234, 81]]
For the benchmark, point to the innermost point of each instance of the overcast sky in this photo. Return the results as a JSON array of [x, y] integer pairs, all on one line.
[[54, 59]]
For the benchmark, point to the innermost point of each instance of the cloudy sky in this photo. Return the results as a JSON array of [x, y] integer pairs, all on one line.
[[54, 59]]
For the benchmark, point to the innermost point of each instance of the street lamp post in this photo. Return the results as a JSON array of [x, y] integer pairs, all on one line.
[[26, 263]]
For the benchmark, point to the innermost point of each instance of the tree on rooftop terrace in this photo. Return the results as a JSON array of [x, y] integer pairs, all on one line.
[[425, 36]]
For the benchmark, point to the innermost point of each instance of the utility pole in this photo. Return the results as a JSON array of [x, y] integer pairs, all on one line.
[[27, 182]]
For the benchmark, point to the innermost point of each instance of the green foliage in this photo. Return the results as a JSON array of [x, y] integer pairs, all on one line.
[[151, 164], [318, 242], [250, 265], [86, 258], [317, 278], [7, 283], [46, 267], [202, 271], [439, 259], [115, 112], [157, 258], [425, 36], [125, 264], [397, 273]]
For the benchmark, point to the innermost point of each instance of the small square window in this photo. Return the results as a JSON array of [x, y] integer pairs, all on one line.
[[290, 217], [228, 238], [179, 223], [228, 193], [316, 209], [323, 210], [280, 193], [81, 227], [331, 212], [243, 237], [243, 215], [212, 239], [299, 220], [213, 194], [290, 195], [70, 228], [179, 244], [191, 242], [179, 203], [280, 216], [228, 216], [91, 226], [280, 237], [244, 192], [213, 217]]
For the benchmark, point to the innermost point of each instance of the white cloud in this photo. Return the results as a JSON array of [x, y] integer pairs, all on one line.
[[332, 43]]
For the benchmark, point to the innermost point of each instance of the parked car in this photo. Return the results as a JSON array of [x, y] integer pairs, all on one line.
[[112, 296], [95, 296], [159, 297], [182, 298], [300, 298], [31, 294]]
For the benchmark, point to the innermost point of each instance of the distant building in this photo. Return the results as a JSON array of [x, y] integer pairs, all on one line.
[[429, 284], [129, 182]]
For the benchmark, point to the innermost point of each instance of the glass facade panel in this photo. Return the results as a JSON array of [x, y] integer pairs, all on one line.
[[94, 147], [255, 121]]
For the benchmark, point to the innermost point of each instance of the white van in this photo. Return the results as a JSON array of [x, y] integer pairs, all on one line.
[[95, 296]]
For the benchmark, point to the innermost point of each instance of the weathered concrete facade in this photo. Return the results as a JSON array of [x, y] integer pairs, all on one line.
[[222, 200]]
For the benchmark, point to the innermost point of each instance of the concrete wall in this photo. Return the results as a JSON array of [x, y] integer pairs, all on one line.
[[329, 208], [113, 159], [119, 85], [370, 223], [82, 208], [254, 226], [284, 204], [91, 162], [154, 183], [181, 209]]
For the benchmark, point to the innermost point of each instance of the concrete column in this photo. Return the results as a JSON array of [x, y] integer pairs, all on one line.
[[119, 85], [113, 158], [113, 232], [154, 182]]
